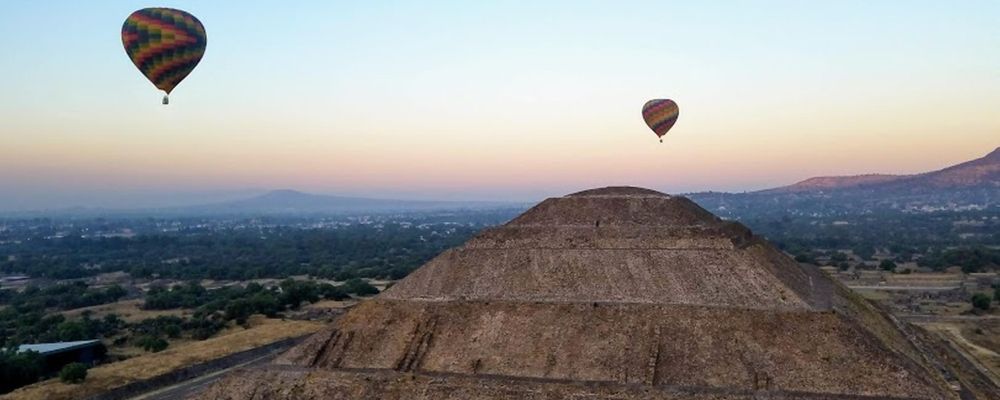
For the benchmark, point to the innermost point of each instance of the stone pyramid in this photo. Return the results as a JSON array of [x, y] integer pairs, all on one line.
[[613, 293]]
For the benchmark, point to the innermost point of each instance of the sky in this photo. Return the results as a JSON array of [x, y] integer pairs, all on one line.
[[491, 100]]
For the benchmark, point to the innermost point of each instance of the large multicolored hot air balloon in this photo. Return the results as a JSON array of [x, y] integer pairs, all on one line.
[[165, 44], [660, 115]]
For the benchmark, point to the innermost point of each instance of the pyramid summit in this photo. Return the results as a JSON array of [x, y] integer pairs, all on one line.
[[614, 245], [613, 293]]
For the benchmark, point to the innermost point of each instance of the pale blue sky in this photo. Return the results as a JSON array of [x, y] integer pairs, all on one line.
[[481, 100]]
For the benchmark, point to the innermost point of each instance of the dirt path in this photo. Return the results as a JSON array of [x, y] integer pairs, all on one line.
[[924, 288], [932, 318], [960, 339], [975, 354]]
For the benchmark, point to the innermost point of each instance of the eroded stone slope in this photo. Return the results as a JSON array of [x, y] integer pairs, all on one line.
[[614, 293]]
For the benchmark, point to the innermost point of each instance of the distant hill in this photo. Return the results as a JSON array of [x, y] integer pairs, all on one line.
[[835, 182], [294, 202], [971, 185], [981, 172]]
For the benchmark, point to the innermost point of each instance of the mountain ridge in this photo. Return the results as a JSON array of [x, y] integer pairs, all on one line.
[[970, 185], [983, 171]]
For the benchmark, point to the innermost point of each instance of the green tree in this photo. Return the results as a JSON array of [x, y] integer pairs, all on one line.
[[887, 265], [359, 287], [293, 293], [203, 328], [981, 301], [114, 293], [239, 310], [265, 303], [331, 292], [173, 331], [18, 369], [72, 330], [73, 373]]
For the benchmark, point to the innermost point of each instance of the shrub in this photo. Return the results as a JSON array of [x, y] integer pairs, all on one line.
[[981, 301], [239, 310], [359, 287], [152, 343], [73, 373], [293, 293], [331, 292], [203, 328], [887, 265]]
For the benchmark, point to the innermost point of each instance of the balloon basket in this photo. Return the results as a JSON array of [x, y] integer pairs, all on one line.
[[166, 100]]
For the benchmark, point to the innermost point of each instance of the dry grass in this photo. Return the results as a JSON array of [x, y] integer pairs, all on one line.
[[128, 310], [108, 376], [985, 333], [979, 338], [336, 304]]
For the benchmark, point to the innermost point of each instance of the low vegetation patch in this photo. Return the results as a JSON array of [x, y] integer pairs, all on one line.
[[33, 317], [102, 378], [73, 373]]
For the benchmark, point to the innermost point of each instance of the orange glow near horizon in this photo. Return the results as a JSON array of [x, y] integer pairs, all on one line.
[[493, 102]]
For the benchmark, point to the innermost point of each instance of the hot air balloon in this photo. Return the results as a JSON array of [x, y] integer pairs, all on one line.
[[660, 115], [165, 44]]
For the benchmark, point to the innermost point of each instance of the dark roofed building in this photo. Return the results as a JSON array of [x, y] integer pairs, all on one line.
[[59, 354]]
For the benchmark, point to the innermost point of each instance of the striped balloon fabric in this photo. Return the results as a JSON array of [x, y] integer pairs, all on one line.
[[660, 115], [165, 44]]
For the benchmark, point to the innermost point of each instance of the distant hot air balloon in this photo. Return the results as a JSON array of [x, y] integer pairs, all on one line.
[[165, 44], [660, 115]]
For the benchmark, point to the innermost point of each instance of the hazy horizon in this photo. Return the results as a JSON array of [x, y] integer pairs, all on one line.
[[455, 101], [139, 200]]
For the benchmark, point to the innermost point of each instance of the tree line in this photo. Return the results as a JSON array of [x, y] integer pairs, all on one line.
[[387, 251]]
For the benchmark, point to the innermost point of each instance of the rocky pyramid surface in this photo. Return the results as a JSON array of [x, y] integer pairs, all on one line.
[[613, 293]]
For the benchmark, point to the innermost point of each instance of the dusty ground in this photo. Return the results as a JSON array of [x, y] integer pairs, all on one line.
[[939, 302], [978, 340], [108, 376], [331, 304]]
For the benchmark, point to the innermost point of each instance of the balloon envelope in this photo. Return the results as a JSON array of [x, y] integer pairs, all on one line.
[[660, 115], [165, 44]]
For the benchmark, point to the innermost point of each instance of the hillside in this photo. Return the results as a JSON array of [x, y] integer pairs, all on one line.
[[981, 172], [971, 185], [836, 182]]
